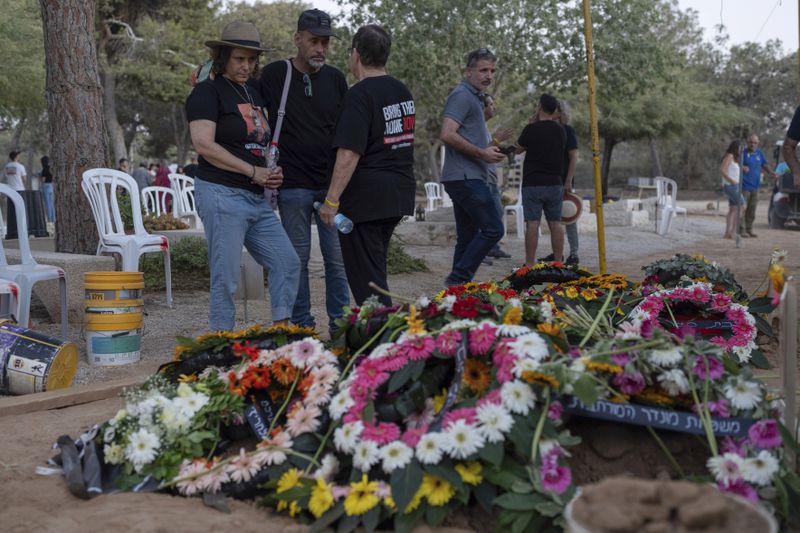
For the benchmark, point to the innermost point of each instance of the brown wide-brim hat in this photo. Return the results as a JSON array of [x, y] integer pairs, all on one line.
[[571, 208], [239, 34]]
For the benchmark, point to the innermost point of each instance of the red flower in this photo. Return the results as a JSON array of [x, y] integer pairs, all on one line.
[[507, 293], [466, 308]]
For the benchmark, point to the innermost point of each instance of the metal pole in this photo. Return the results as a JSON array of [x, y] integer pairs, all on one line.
[[598, 186], [788, 354]]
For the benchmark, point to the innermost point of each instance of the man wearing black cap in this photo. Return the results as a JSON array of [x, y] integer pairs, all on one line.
[[14, 172], [544, 143], [312, 107]]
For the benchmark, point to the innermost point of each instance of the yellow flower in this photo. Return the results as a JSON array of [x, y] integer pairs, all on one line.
[[543, 379], [439, 295], [294, 509], [571, 293], [187, 379], [776, 276], [416, 326], [437, 491], [603, 367], [416, 500], [438, 401], [289, 480], [362, 497], [470, 472], [549, 329], [321, 498], [513, 316], [589, 294], [388, 501]]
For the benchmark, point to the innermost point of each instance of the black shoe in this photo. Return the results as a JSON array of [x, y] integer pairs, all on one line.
[[486, 261], [573, 260], [548, 258], [498, 254]]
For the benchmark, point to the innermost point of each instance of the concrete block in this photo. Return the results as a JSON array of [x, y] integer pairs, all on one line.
[[74, 265], [427, 233]]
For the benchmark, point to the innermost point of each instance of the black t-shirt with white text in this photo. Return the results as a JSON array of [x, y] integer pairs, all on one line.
[[242, 128], [544, 144], [312, 108], [377, 122]]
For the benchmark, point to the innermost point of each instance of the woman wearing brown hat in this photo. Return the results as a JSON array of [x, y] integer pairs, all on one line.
[[230, 133]]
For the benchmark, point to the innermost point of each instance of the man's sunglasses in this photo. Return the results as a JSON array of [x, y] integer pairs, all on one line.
[[308, 90]]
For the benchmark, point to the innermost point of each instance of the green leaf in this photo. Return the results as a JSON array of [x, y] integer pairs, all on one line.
[[549, 508], [328, 518], [447, 473], [586, 390], [435, 514], [405, 482], [788, 438], [492, 453], [371, 518], [761, 305], [368, 414], [793, 481], [418, 367], [521, 487], [521, 523], [501, 478], [400, 378], [348, 524], [758, 360], [404, 523], [485, 494], [731, 364], [783, 497], [517, 502], [521, 434]]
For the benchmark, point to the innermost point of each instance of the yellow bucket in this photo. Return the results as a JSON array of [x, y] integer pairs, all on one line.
[[113, 286], [113, 339], [33, 362]]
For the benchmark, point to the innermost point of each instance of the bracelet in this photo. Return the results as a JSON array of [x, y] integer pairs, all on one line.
[[331, 204], [253, 175]]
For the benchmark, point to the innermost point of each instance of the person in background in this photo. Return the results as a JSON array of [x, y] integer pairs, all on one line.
[[313, 103], [190, 169], [373, 176], [730, 170], [230, 133], [142, 176], [179, 170], [14, 172], [47, 189], [570, 162], [489, 112], [789, 145], [123, 166], [753, 163]]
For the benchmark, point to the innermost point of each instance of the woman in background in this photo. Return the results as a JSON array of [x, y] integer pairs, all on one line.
[[731, 172], [47, 189]]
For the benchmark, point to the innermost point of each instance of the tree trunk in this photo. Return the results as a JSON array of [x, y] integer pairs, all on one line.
[[180, 127], [608, 149], [655, 161], [75, 116], [435, 161], [115, 132], [13, 143]]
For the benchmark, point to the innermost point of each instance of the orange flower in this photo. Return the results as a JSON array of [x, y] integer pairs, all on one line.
[[416, 326], [541, 379], [305, 383], [603, 367], [549, 329], [476, 375], [283, 371]]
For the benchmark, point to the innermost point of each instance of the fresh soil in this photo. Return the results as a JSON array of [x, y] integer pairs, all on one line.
[[36, 503]]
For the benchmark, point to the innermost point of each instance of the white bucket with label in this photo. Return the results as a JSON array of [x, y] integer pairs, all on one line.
[[113, 339]]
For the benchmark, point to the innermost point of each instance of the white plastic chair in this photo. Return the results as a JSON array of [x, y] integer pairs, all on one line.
[[185, 201], [12, 290], [516, 210], [433, 192], [666, 201], [26, 274], [101, 185], [155, 200]]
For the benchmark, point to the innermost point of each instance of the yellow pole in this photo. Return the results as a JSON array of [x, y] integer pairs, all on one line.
[[598, 186]]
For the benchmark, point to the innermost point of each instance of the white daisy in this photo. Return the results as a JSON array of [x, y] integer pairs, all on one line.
[[743, 353], [461, 440], [517, 397], [365, 454], [382, 350], [464, 323], [674, 382], [512, 330], [340, 404], [174, 419], [317, 395], [760, 470], [142, 447], [329, 467], [495, 421], [191, 404], [346, 437], [429, 448], [325, 375], [422, 302], [531, 345], [726, 467], [305, 352], [525, 364], [743, 394], [666, 358], [447, 302], [395, 455], [546, 309], [113, 454]]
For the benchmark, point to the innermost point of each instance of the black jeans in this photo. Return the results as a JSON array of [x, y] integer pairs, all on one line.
[[364, 251]]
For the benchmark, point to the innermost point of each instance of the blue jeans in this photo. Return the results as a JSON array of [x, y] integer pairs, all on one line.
[[47, 192], [478, 226], [233, 218], [547, 198], [495, 190], [572, 237], [296, 208]]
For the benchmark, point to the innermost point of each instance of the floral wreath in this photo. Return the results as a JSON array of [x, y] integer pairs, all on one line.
[[544, 272], [304, 367], [668, 273], [741, 343]]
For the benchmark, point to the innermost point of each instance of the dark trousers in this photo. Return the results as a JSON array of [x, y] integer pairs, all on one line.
[[364, 251]]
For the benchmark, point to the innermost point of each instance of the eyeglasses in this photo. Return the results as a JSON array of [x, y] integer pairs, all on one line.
[[307, 80], [481, 53]]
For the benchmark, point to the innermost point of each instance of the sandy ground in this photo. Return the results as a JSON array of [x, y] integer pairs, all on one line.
[[36, 503]]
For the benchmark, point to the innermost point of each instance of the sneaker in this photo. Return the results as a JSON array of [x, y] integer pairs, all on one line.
[[547, 258], [499, 254], [486, 261], [744, 235], [573, 260], [751, 234]]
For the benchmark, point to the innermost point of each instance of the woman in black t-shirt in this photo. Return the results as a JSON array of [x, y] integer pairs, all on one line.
[[230, 133]]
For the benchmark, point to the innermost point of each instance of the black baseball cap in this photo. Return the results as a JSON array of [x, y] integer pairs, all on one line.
[[317, 22]]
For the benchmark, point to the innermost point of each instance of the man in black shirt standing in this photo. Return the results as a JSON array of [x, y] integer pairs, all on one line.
[[543, 142], [373, 178], [312, 107]]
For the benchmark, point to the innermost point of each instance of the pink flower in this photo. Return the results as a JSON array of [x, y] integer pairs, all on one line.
[[621, 359], [481, 338], [765, 434], [340, 491], [303, 419], [411, 436], [394, 363], [447, 342], [419, 348], [628, 329], [629, 382], [383, 433], [715, 367], [556, 478], [736, 446], [466, 414], [554, 411], [740, 488], [719, 408], [304, 352], [370, 374], [504, 360], [491, 397], [720, 300]]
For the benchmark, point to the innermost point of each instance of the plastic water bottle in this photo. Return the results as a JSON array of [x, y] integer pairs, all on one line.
[[272, 162], [342, 223]]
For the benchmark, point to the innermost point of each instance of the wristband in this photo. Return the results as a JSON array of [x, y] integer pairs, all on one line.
[[331, 204], [253, 175]]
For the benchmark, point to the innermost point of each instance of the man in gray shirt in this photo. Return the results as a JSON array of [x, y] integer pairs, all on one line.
[[142, 176], [468, 155]]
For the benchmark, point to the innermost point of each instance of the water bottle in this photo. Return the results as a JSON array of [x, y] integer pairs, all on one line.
[[272, 162], [342, 223]]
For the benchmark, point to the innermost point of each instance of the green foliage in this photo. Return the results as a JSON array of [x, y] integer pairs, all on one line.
[[22, 47], [125, 210], [190, 271], [399, 262]]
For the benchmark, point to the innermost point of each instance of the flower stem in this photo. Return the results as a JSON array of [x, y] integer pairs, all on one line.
[[666, 451], [284, 404], [361, 350], [537, 435], [647, 344], [669, 310], [597, 319], [376, 288], [702, 409], [322, 444]]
